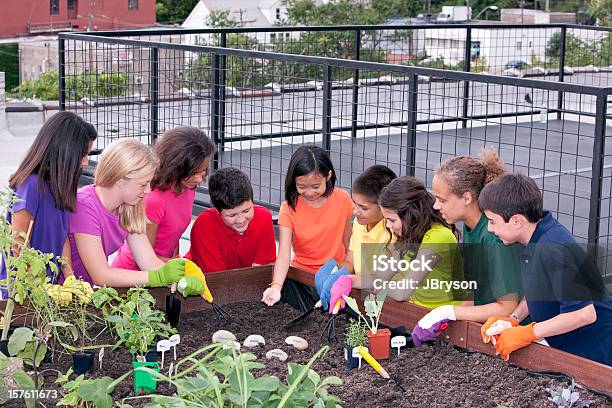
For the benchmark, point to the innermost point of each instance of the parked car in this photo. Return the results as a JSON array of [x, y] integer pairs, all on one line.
[[516, 65]]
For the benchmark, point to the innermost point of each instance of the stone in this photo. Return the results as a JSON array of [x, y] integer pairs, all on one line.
[[222, 335], [297, 342], [254, 340], [278, 354], [233, 344]]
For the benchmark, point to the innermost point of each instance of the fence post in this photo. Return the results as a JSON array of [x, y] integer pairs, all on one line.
[[327, 106], [154, 103], [62, 73], [215, 107], [412, 124], [222, 81], [561, 69], [355, 105], [467, 57], [597, 169]]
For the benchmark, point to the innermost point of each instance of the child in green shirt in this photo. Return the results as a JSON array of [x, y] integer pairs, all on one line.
[[425, 261], [491, 265]]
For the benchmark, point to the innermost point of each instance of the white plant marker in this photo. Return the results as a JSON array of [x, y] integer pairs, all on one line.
[[174, 340], [100, 356], [170, 370], [357, 355], [398, 342], [163, 346]]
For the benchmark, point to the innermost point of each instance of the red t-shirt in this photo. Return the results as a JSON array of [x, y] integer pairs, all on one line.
[[216, 247]]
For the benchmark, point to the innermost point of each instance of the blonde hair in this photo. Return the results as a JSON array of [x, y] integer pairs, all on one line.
[[127, 159]]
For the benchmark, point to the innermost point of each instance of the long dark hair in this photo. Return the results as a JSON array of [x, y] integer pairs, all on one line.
[[55, 156], [409, 198], [181, 151], [305, 160]]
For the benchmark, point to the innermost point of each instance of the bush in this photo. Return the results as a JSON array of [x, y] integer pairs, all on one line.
[[46, 86]]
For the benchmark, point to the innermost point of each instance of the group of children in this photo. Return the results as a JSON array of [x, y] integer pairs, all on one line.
[[141, 203]]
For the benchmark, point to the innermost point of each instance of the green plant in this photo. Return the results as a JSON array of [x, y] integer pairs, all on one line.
[[13, 376], [133, 317], [223, 378], [567, 397], [356, 333], [373, 305], [87, 393]]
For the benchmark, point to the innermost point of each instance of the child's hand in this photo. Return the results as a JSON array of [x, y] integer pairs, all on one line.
[[513, 339], [271, 295], [341, 288], [483, 329]]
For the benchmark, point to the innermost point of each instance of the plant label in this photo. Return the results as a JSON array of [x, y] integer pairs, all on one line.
[[398, 342], [100, 356], [345, 354], [170, 370], [163, 346], [174, 340], [357, 355]]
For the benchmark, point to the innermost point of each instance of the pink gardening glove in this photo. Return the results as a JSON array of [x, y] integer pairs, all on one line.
[[341, 288]]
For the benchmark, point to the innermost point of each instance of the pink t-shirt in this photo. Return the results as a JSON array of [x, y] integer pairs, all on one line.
[[91, 217], [172, 214]]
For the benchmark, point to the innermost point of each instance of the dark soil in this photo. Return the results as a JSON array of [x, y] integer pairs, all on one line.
[[436, 375]]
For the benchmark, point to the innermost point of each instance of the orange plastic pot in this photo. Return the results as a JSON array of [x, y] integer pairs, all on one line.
[[380, 343]]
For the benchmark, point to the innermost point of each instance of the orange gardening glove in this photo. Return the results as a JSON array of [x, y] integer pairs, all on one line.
[[485, 337], [513, 339]]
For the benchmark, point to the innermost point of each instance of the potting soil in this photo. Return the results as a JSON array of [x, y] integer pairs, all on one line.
[[435, 375]]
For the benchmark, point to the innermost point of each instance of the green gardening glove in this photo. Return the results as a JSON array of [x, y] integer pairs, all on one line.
[[190, 285], [171, 272]]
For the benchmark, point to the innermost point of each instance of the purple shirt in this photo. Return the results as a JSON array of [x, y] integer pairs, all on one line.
[[50, 227], [91, 217]]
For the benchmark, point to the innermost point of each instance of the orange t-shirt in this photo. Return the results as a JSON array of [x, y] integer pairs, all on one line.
[[317, 232]]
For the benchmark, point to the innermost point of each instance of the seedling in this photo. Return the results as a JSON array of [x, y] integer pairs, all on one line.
[[373, 305], [567, 397]]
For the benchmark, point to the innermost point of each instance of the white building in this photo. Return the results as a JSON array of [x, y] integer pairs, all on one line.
[[497, 47]]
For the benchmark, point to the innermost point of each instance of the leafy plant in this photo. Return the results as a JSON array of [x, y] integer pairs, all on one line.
[[356, 333], [567, 397], [224, 378], [87, 393], [373, 305], [13, 376], [133, 317]]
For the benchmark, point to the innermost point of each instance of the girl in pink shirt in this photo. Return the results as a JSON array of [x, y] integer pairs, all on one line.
[[184, 155]]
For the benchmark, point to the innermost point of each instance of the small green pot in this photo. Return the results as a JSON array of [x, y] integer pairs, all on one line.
[[143, 380]]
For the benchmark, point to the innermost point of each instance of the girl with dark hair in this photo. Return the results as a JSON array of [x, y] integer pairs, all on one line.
[[487, 261], [184, 156], [46, 183], [426, 245], [315, 219]]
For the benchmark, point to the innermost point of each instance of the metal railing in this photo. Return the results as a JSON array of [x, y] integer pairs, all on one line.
[[258, 106]]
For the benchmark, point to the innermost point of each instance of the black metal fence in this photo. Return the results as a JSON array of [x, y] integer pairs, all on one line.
[[259, 106]]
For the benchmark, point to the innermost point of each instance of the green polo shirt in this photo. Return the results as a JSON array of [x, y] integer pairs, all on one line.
[[493, 265]]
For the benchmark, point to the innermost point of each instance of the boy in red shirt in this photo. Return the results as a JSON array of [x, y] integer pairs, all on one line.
[[235, 233]]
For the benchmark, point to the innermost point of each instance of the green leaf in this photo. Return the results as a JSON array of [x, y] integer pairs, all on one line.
[[267, 383], [96, 391], [352, 303], [331, 380], [18, 340], [314, 377], [26, 383]]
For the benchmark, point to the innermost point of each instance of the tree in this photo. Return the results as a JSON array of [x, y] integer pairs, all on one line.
[[174, 11], [601, 10]]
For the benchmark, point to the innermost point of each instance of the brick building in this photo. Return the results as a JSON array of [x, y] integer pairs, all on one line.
[[31, 17]]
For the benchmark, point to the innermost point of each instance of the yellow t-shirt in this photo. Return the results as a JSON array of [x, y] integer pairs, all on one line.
[[365, 244], [434, 290]]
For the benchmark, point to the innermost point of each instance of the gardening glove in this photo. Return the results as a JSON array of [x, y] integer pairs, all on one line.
[[325, 293], [341, 288], [486, 338], [58, 294], [432, 324], [192, 270], [171, 272], [79, 288], [323, 273], [420, 335], [513, 339]]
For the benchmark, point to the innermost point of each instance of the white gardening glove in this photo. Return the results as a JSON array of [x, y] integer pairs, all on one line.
[[446, 312]]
